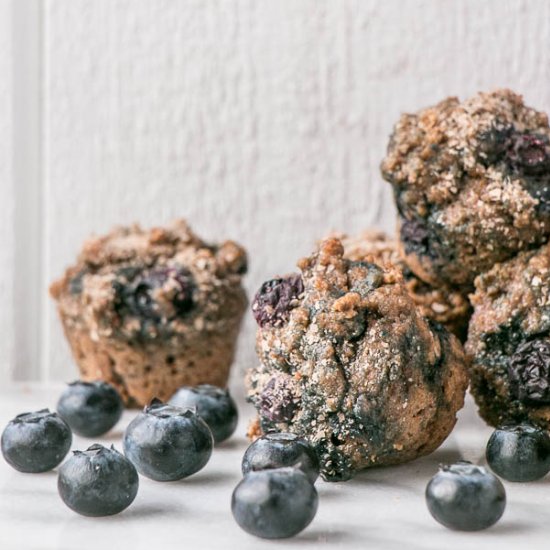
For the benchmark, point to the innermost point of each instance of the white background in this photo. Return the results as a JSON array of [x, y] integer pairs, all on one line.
[[262, 120]]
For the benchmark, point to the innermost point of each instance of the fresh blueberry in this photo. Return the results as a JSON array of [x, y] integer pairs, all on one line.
[[214, 405], [465, 497], [98, 481], [519, 453], [167, 443], [281, 450], [36, 442], [90, 408], [274, 504]]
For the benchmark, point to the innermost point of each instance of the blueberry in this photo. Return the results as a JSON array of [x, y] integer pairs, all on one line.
[[36, 442], [274, 504], [529, 372], [420, 237], [98, 482], [281, 450], [519, 453], [136, 294], [90, 408], [166, 443], [494, 143], [272, 304], [465, 497], [278, 401], [214, 405], [529, 154], [76, 284], [180, 281]]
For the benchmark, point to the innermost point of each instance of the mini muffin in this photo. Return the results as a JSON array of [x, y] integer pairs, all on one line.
[[472, 185], [152, 310], [509, 340], [347, 361], [443, 304]]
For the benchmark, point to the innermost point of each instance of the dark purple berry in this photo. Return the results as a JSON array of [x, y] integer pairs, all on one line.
[[493, 144], [136, 297], [418, 239], [180, 282], [278, 401], [183, 294], [529, 154], [273, 302], [414, 232], [529, 372]]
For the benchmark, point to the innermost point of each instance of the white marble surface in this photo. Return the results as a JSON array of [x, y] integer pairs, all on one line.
[[382, 508]]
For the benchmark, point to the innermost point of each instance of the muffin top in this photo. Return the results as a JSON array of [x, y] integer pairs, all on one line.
[[348, 362], [509, 340], [147, 285], [442, 303], [471, 183]]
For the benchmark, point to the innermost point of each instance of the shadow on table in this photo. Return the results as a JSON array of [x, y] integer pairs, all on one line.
[[510, 527], [142, 511], [208, 478], [234, 442], [316, 536], [405, 476]]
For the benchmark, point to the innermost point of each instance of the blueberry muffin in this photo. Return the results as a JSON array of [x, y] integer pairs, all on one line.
[[509, 340], [472, 185], [347, 361], [152, 310], [443, 304]]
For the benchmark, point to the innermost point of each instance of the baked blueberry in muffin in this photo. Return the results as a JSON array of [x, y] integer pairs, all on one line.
[[152, 310], [509, 340], [348, 362]]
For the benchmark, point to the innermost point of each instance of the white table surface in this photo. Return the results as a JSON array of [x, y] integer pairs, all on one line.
[[382, 508]]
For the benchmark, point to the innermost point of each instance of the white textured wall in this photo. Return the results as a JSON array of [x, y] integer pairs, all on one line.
[[259, 120], [7, 334]]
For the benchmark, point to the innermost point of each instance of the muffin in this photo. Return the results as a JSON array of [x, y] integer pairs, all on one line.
[[472, 185], [509, 340], [152, 310], [347, 361], [443, 304]]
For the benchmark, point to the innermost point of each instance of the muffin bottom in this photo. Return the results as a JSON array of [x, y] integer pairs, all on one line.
[[140, 373]]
